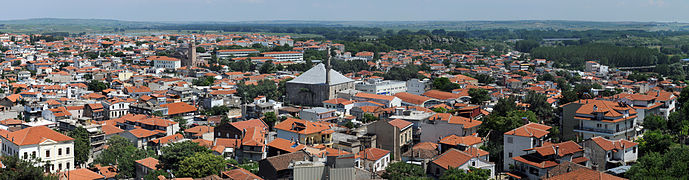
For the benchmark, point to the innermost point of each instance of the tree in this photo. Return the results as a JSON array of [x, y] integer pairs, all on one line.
[[270, 119], [154, 175], [18, 168], [250, 166], [265, 87], [96, 86], [267, 67], [368, 117], [440, 110], [683, 96], [478, 95], [201, 164], [176, 152], [216, 110], [444, 84], [204, 81], [503, 106], [122, 153], [82, 145], [654, 141], [460, 174], [671, 165], [402, 170], [655, 122], [526, 45], [538, 103], [181, 121]]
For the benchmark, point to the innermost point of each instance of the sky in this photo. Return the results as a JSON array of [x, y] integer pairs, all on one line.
[[350, 10]]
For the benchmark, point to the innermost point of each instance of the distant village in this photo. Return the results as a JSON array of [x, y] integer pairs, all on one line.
[[157, 93]]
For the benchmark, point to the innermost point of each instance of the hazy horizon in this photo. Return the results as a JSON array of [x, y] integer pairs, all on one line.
[[352, 10]]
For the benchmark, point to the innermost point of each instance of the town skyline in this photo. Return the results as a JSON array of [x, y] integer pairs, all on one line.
[[356, 10]]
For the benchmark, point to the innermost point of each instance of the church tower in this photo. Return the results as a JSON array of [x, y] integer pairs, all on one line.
[[192, 54]]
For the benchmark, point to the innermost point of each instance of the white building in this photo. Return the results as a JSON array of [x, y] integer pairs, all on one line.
[[525, 137], [166, 62], [383, 87], [374, 159], [418, 87], [285, 56], [225, 53], [41, 142], [115, 108]]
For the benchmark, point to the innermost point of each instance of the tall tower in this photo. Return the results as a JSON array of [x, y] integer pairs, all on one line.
[[192, 54], [327, 69]]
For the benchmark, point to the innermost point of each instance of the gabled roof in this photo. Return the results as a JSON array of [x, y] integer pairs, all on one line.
[[140, 133], [301, 126], [412, 98], [441, 95], [35, 135], [373, 154], [563, 148], [240, 174], [530, 130], [316, 75], [399, 123], [148, 162], [286, 145], [83, 174], [374, 96], [452, 158], [179, 108], [608, 145], [109, 129], [464, 141]]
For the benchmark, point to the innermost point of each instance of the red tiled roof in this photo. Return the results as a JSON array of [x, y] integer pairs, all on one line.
[[149, 162], [452, 158], [373, 154], [35, 135], [179, 108]]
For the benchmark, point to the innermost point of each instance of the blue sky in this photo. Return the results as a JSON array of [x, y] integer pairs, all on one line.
[[345, 10]]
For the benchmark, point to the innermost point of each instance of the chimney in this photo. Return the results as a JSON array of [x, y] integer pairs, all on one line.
[[327, 68], [557, 150]]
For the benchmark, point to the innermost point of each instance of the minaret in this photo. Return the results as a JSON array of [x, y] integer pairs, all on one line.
[[327, 69]]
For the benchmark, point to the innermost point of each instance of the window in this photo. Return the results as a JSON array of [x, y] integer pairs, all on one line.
[[26, 155], [33, 154], [509, 140], [67, 166], [67, 151], [59, 151], [510, 154], [47, 153], [634, 150], [59, 167]]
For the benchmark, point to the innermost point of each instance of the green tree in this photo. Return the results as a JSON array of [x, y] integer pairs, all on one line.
[[538, 103], [82, 145], [181, 121], [460, 174], [655, 122], [270, 118], [444, 84], [654, 141], [368, 117], [478, 95], [18, 168], [526, 45], [267, 67], [217, 110], [154, 175], [250, 166], [440, 110], [201, 164], [401, 170], [503, 106], [674, 164], [96, 86], [204, 81], [122, 153], [176, 152]]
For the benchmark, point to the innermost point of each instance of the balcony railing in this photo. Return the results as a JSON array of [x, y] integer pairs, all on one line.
[[601, 130]]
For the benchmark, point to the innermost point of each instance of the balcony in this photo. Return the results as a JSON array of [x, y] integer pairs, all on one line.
[[602, 131]]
